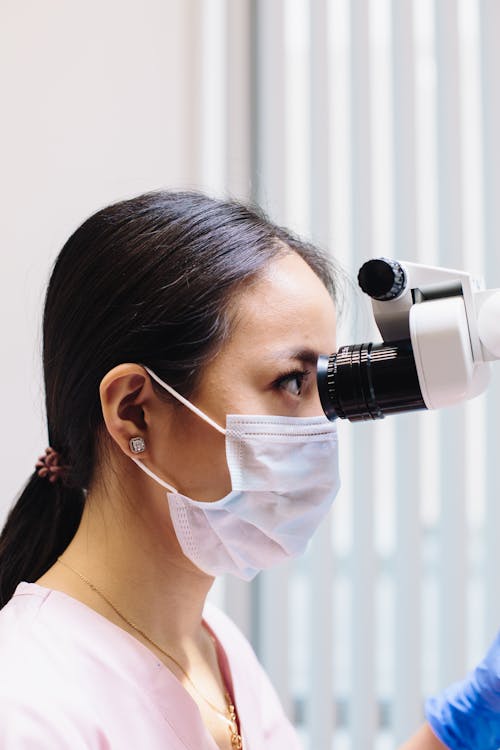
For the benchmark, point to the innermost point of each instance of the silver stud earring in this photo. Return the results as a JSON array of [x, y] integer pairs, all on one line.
[[137, 444]]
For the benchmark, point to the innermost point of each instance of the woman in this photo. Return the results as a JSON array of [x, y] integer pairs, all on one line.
[[171, 321]]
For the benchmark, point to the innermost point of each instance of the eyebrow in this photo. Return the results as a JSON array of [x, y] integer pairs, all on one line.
[[302, 355]]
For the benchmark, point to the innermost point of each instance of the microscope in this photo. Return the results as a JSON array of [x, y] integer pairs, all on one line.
[[440, 332]]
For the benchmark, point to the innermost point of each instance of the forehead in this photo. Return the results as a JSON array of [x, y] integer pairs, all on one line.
[[287, 308]]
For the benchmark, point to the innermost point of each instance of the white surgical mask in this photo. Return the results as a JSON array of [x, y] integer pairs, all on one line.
[[284, 478]]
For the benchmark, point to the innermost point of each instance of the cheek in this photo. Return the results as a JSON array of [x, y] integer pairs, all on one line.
[[207, 475], [199, 462]]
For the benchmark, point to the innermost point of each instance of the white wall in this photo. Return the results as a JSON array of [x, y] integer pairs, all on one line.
[[96, 105]]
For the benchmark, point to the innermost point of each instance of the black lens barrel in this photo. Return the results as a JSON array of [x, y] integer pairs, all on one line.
[[368, 381]]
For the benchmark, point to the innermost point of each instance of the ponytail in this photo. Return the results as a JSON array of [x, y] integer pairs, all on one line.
[[38, 529]]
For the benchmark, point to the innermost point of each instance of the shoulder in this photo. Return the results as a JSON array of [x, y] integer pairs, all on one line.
[[20, 630], [70, 678], [36, 629], [48, 638], [56, 655], [33, 652], [29, 689], [23, 607]]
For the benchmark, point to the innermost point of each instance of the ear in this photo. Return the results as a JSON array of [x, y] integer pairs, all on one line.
[[127, 400]]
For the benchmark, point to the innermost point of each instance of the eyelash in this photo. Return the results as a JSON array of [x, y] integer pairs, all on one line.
[[299, 375]]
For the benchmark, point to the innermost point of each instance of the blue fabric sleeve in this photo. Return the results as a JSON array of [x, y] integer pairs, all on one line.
[[466, 715]]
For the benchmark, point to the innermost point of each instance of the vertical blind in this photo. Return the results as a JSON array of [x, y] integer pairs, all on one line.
[[371, 127]]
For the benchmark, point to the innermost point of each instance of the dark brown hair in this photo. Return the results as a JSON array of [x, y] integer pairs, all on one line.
[[146, 280]]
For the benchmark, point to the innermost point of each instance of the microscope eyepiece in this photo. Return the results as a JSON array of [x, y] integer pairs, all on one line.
[[368, 381], [382, 279]]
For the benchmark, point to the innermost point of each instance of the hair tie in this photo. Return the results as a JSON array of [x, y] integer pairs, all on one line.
[[49, 466]]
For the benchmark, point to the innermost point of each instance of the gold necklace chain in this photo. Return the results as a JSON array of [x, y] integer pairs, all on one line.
[[231, 719]]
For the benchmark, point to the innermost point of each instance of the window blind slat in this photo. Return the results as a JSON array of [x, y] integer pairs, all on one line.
[[452, 537]]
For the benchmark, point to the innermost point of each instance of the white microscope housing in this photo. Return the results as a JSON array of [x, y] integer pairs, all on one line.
[[440, 329]]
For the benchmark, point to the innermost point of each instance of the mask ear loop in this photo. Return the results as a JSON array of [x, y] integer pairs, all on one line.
[[154, 476], [184, 401], [189, 405]]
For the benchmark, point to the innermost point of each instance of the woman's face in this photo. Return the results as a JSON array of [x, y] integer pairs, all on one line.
[[268, 366]]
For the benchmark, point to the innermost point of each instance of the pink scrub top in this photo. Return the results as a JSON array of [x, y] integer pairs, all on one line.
[[69, 678]]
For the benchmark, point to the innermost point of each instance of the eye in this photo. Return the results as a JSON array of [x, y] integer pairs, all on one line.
[[293, 382]]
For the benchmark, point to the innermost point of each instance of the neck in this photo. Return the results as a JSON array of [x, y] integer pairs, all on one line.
[[127, 548]]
